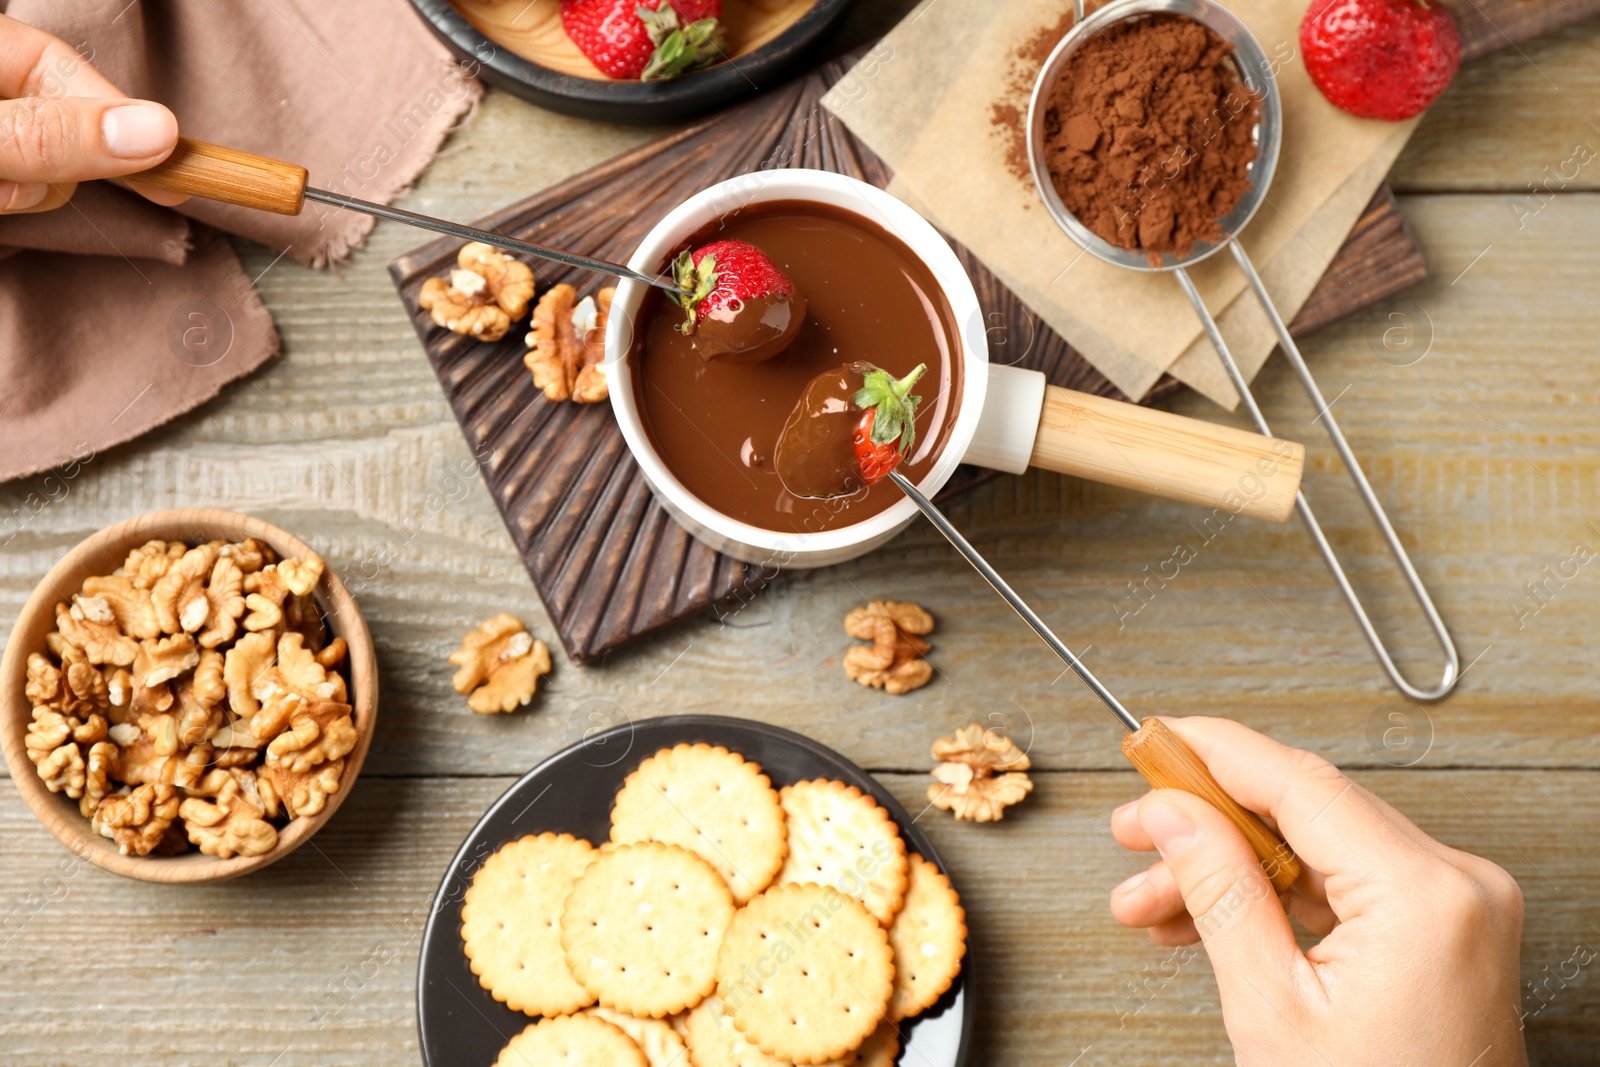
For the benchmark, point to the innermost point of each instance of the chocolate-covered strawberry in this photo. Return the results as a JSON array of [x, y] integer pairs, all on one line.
[[852, 426], [888, 425], [738, 306], [648, 40]]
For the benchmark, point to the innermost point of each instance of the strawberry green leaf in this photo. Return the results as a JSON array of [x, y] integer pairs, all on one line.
[[894, 409], [695, 284], [680, 49]]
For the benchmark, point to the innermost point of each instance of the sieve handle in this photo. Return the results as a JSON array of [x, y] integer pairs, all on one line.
[[1167, 762], [1155, 451]]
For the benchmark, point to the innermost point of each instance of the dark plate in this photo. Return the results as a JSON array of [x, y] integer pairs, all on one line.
[[461, 1025], [634, 102]]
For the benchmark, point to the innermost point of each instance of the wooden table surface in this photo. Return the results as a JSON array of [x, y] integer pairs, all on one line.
[[1484, 447]]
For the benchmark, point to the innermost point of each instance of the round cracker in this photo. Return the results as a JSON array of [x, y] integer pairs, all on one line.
[[661, 1044], [712, 802], [715, 1042], [642, 927], [929, 938], [840, 837], [575, 1040], [805, 972], [511, 923], [881, 1048]]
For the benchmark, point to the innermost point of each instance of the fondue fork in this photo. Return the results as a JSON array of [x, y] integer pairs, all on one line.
[[1152, 746], [230, 176]]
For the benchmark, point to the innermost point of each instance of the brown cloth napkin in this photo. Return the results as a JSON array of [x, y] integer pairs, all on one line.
[[115, 314]]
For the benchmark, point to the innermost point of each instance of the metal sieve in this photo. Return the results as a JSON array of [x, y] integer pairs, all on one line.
[[1257, 73]]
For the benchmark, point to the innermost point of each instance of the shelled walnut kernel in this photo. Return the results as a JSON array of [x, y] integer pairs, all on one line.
[[894, 661], [980, 774], [500, 665], [568, 343], [192, 697], [484, 295]]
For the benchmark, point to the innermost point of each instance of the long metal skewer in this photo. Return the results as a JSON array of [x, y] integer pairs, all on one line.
[[1156, 750], [455, 229], [1020, 606]]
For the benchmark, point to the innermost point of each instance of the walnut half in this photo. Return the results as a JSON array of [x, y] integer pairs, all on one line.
[[137, 819], [980, 774], [298, 792], [501, 664], [568, 343], [232, 823], [893, 662], [486, 293]]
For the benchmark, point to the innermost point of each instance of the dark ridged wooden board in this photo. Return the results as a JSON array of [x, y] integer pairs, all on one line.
[[1490, 25], [608, 561]]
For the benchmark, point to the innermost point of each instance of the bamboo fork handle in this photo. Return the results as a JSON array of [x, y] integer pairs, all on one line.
[[1168, 763], [230, 176]]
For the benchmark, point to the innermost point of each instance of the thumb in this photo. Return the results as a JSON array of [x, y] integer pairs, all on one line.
[[60, 140], [1244, 927]]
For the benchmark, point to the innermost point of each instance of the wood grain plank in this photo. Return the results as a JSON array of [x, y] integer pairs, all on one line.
[[1380, 256], [1508, 117], [320, 951]]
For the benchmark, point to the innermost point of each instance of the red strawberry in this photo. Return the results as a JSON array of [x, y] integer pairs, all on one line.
[[645, 39], [1380, 59], [887, 430], [722, 273]]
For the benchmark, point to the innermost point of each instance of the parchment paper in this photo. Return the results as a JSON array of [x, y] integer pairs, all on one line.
[[927, 111]]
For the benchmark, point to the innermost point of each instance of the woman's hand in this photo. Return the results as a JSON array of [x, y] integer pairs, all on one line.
[[61, 123], [1418, 962]]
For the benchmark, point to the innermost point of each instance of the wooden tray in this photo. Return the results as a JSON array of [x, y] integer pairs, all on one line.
[[607, 560], [1490, 25]]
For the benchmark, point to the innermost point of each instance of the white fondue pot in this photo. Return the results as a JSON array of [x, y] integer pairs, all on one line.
[[1009, 418]]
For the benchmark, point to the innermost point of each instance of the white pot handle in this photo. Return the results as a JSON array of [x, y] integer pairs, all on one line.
[[1010, 420]]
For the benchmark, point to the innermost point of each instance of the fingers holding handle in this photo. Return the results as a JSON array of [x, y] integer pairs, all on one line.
[[1168, 763], [62, 123], [1227, 865]]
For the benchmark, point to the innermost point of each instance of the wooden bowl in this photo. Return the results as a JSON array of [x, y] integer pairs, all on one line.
[[103, 553], [520, 46]]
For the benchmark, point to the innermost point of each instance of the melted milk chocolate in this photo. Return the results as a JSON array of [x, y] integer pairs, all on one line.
[[751, 330], [816, 454], [868, 298]]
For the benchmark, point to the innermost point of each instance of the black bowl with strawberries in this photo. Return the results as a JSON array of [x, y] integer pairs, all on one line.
[[632, 61]]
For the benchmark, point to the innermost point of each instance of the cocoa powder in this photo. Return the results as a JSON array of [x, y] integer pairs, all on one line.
[[1009, 114], [1148, 134]]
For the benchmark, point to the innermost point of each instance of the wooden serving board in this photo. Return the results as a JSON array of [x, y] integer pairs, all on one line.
[[606, 558]]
